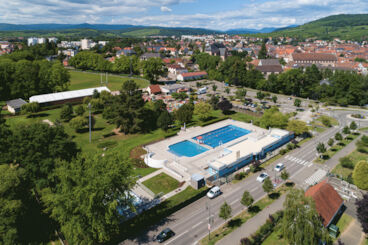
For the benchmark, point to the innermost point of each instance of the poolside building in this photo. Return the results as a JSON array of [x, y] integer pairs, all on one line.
[[216, 150]]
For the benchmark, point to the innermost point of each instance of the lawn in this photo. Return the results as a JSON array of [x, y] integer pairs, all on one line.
[[344, 222], [161, 183], [82, 80], [274, 238], [242, 218]]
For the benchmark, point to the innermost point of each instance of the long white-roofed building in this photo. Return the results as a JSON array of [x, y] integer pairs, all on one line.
[[66, 97]]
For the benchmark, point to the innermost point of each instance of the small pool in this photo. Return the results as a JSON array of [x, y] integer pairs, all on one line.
[[187, 149], [221, 135]]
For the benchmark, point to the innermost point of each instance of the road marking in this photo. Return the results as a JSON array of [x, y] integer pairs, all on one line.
[[194, 226], [176, 237], [287, 157], [255, 188], [237, 200], [310, 164]]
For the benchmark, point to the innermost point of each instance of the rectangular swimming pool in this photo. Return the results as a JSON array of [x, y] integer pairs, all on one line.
[[221, 135], [186, 148]]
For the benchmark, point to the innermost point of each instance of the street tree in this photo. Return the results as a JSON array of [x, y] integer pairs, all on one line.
[[330, 142], [203, 110], [353, 125], [247, 199], [225, 211], [362, 211], [346, 130], [297, 102], [95, 186], [301, 222], [267, 185], [214, 87], [360, 175], [66, 113], [185, 113], [274, 99], [241, 93], [321, 148], [338, 136], [284, 175], [260, 95], [297, 126]]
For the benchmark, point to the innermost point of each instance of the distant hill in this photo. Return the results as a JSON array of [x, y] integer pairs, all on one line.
[[344, 26], [95, 30], [250, 31]]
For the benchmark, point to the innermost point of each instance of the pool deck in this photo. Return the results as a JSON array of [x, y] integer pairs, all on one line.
[[187, 166]]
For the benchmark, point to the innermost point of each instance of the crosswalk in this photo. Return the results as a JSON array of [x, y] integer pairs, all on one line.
[[316, 177], [299, 161]]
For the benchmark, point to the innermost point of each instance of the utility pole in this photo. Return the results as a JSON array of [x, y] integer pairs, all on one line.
[[90, 133], [210, 220]]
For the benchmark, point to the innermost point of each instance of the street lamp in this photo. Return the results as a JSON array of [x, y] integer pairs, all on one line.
[[89, 117]]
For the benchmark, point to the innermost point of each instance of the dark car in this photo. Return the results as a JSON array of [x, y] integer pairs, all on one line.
[[164, 235]]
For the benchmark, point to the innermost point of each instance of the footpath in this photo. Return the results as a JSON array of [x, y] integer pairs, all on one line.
[[252, 225], [353, 234]]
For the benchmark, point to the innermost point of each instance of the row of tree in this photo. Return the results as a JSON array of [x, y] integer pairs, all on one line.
[[151, 68]]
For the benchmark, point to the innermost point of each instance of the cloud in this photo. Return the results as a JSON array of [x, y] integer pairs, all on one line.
[[165, 9], [252, 14]]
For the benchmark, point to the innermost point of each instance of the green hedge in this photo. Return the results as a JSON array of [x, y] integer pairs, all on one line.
[[213, 121]]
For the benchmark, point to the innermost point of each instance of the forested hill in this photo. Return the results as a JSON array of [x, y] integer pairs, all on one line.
[[344, 26], [91, 31]]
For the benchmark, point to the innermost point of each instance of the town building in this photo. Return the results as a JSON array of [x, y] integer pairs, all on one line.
[[315, 58], [15, 106], [192, 76]]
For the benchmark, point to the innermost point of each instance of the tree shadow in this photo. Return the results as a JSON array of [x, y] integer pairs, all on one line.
[[333, 149], [289, 184], [234, 223], [229, 112], [38, 115], [254, 209], [274, 195], [341, 144]]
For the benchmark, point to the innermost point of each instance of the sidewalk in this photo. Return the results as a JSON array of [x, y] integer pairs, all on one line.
[[353, 234], [253, 224]]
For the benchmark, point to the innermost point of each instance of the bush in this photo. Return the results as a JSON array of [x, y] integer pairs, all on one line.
[[360, 175], [326, 121], [239, 176], [346, 162], [283, 151]]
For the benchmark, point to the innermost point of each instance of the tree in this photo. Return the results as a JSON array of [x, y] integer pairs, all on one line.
[[95, 186], [297, 126], [274, 99], [267, 185], [273, 118], [66, 113], [353, 125], [164, 120], [13, 195], [227, 90], [202, 110], [214, 101], [95, 94], [241, 93], [326, 121], [284, 175], [79, 110], [301, 223], [153, 68], [185, 113], [338, 136], [59, 77], [225, 211], [36, 147], [330, 142], [5, 141], [262, 54], [224, 105], [247, 199], [78, 123], [31, 108], [321, 148], [346, 130], [260, 95], [297, 102], [360, 175], [214, 87], [362, 211]]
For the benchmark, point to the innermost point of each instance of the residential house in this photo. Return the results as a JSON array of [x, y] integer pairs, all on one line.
[[217, 49], [154, 89], [269, 69], [176, 69], [192, 76], [146, 56], [329, 204]]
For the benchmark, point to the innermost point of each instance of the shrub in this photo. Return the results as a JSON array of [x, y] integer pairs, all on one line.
[[326, 121], [346, 162], [283, 151]]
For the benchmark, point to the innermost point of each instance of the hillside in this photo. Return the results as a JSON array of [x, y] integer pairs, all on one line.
[[344, 26]]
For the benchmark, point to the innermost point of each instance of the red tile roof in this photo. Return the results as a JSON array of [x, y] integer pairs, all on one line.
[[155, 89], [194, 74], [327, 200], [313, 57]]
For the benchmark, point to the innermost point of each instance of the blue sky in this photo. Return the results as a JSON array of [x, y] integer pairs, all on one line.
[[211, 14]]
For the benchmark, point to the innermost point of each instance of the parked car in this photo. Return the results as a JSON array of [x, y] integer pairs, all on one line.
[[164, 235], [214, 192], [262, 177], [279, 167]]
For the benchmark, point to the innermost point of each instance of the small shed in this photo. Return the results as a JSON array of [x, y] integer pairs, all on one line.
[[15, 106], [197, 181]]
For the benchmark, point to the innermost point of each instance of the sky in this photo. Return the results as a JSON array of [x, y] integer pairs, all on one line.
[[210, 14]]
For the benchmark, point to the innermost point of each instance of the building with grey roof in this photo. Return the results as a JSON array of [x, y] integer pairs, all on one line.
[[15, 106]]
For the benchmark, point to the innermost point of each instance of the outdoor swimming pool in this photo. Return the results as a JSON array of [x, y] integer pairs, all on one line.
[[221, 135], [187, 149]]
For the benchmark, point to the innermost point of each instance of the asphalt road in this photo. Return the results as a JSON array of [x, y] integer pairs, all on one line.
[[191, 223]]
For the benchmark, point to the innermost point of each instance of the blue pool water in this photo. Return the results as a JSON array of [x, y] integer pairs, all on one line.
[[187, 149], [221, 135]]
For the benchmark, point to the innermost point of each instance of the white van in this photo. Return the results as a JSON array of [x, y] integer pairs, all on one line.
[[214, 192]]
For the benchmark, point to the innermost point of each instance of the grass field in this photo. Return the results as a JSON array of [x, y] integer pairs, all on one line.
[[344, 222], [161, 183], [82, 80]]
